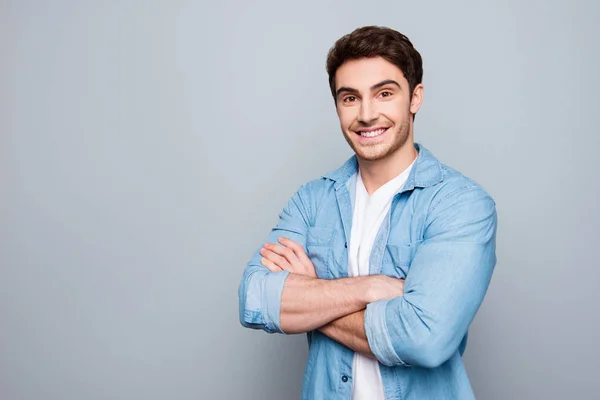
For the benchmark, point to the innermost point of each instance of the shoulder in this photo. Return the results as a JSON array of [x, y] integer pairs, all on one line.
[[316, 185], [313, 192], [460, 208], [456, 188]]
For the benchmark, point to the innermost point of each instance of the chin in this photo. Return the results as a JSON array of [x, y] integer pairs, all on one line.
[[372, 156]]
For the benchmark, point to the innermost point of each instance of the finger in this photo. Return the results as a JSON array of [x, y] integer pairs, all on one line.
[[288, 260], [270, 265], [297, 249], [283, 251], [276, 259]]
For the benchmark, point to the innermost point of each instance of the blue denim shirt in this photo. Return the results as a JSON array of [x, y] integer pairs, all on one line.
[[439, 235]]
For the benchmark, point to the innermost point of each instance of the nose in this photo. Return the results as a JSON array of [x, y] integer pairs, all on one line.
[[368, 112]]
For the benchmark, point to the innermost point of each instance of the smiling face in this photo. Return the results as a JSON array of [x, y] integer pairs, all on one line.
[[375, 108]]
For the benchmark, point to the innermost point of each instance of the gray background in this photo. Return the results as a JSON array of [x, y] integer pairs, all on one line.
[[147, 148]]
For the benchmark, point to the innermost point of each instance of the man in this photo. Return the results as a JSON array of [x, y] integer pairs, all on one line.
[[384, 261]]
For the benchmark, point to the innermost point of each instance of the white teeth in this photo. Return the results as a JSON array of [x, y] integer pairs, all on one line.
[[372, 133]]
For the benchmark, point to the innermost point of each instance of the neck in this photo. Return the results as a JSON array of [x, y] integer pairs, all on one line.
[[375, 174]]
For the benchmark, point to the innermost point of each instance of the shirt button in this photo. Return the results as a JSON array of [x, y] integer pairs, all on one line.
[[344, 378], [346, 245]]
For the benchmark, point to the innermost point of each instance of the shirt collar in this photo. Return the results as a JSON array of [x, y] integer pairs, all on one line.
[[427, 171]]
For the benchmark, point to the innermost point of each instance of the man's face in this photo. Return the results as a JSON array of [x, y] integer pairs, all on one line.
[[374, 106]]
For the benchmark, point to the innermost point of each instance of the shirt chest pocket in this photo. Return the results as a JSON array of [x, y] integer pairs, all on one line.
[[319, 247], [397, 259]]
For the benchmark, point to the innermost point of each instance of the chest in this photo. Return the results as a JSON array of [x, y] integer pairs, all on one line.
[[397, 239]]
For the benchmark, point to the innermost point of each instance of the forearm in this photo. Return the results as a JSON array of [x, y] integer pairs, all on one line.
[[309, 303], [350, 331]]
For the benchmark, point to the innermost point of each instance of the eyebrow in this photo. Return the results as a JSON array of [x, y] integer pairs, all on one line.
[[376, 86]]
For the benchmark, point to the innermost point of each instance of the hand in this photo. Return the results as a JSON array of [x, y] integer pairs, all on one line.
[[287, 256], [383, 287]]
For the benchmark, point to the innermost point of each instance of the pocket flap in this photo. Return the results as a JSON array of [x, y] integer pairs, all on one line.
[[317, 236], [402, 254]]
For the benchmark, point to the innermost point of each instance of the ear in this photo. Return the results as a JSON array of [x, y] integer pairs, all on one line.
[[417, 99]]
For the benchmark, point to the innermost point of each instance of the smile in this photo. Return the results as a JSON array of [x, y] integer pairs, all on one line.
[[372, 132]]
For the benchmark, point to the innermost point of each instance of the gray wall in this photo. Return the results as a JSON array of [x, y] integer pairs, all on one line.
[[147, 148]]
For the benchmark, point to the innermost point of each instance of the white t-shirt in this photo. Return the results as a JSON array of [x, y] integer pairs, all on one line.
[[369, 212]]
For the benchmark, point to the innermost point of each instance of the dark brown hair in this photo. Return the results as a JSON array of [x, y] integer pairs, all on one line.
[[373, 41]]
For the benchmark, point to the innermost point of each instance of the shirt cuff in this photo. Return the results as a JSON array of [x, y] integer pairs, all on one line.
[[272, 290], [378, 335]]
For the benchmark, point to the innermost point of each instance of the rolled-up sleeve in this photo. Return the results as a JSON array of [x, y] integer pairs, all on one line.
[[447, 281], [260, 290]]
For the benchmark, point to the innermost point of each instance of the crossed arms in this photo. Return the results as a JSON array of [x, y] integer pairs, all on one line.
[[335, 307], [420, 321]]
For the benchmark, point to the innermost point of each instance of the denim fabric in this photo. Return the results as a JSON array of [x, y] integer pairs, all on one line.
[[439, 235]]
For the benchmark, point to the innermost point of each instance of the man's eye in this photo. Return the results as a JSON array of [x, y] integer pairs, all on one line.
[[385, 94], [349, 99]]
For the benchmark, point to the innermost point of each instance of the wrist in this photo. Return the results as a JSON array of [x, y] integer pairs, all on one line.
[[367, 289]]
